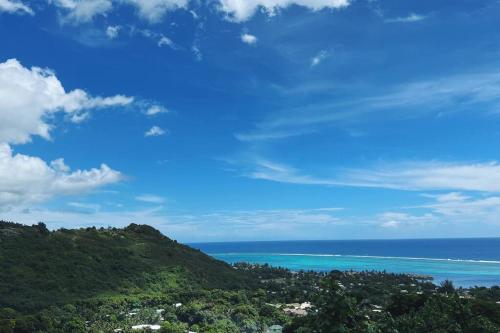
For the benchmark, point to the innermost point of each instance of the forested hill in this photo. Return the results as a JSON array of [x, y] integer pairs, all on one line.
[[39, 267]]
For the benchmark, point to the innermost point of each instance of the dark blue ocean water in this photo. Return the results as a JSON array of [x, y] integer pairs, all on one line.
[[467, 262]]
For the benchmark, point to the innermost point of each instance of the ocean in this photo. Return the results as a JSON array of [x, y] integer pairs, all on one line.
[[467, 262]]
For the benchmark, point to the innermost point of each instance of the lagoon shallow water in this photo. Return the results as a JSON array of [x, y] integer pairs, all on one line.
[[467, 262]]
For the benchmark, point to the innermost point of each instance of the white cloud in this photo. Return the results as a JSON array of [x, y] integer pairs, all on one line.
[[278, 218], [193, 13], [154, 10], [155, 131], [242, 10], [149, 198], [317, 59], [78, 11], [13, 6], [85, 207], [198, 55], [28, 179], [483, 177], [268, 170], [448, 209], [458, 207], [165, 41], [397, 220], [414, 176], [248, 39], [251, 225], [407, 19], [112, 31], [477, 92], [29, 96], [154, 110]]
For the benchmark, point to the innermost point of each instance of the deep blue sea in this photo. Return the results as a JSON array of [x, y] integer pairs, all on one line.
[[467, 262]]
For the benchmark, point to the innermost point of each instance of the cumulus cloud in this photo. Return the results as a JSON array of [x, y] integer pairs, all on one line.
[[112, 31], [242, 10], [155, 131], [154, 10], [28, 179], [79, 11], [248, 39], [13, 6], [28, 97], [154, 110]]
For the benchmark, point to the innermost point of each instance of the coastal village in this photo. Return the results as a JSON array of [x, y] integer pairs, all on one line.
[[150, 320], [293, 309]]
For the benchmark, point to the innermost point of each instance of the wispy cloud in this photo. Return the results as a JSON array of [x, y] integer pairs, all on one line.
[[454, 208], [84, 207], [239, 224], [409, 176], [165, 41], [15, 6], [478, 91], [483, 177], [460, 207], [393, 220], [407, 19], [150, 198], [318, 58]]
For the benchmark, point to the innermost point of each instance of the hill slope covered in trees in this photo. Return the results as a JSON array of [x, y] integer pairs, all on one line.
[[116, 280], [39, 268]]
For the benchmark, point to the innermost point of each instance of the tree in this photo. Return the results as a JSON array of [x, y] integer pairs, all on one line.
[[168, 327], [447, 287]]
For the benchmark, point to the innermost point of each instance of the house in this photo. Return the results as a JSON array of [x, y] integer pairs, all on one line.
[[305, 305], [295, 311], [143, 327], [275, 329]]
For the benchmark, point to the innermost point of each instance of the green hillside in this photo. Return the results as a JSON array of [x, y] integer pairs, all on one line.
[[115, 280], [39, 268]]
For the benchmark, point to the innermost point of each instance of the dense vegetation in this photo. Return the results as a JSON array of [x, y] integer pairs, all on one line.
[[40, 268], [110, 280]]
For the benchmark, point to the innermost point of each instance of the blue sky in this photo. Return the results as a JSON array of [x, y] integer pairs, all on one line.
[[252, 120]]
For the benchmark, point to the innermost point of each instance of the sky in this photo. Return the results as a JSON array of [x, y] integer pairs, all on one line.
[[229, 120]]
